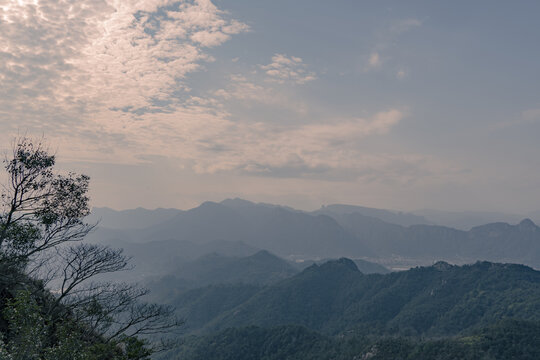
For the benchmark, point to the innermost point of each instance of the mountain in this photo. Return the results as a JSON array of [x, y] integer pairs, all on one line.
[[388, 216], [333, 232], [277, 229], [438, 300], [465, 220], [505, 242], [261, 268], [368, 267], [200, 306], [535, 216], [160, 258], [364, 266], [501, 242]]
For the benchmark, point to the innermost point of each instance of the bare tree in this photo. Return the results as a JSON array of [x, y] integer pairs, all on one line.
[[86, 261], [116, 310], [41, 212], [110, 309]]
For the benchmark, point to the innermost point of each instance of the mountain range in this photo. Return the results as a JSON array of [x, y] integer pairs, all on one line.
[[259, 269], [270, 282], [335, 297], [331, 232]]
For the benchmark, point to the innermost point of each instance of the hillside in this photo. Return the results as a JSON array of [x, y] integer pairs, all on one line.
[[438, 300], [200, 306], [501, 341], [261, 268], [33, 325], [160, 258]]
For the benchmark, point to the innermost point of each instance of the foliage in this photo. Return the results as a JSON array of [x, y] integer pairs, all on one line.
[[41, 227], [200, 306], [27, 330], [476, 311], [40, 208], [503, 340], [439, 300]]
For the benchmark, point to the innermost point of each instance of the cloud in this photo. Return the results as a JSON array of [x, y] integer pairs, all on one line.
[[374, 60], [78, 58], [353, 129], [288, 69], [211, 142], [531, 115], [107, 81], [252, 91], [273, 150]]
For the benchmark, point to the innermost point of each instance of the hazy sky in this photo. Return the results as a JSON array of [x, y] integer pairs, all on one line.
[[396, 104]]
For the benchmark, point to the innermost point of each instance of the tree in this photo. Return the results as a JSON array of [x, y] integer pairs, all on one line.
[[40, 208], [41, 228]]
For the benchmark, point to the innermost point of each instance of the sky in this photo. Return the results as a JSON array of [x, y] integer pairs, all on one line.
[[391, 104]]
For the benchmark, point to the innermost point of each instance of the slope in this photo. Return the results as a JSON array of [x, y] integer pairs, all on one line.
[[438, 300]]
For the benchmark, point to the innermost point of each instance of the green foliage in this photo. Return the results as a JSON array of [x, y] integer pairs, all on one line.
[[440, 300], [260, 269], [199, 306], [4, 355], [290, 342], [31, 336], [41, 210], [27, 329], [134, 349], [504, 340]]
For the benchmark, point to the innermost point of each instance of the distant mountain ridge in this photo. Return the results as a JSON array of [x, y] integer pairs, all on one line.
[[276, 229], [466, 220], [392, 217], [339, 230]]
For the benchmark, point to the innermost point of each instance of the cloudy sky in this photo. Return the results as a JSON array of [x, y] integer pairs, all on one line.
[[395, 104]]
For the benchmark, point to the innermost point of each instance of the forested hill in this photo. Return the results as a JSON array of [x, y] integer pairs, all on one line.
[[335, 297], [504, 340]]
